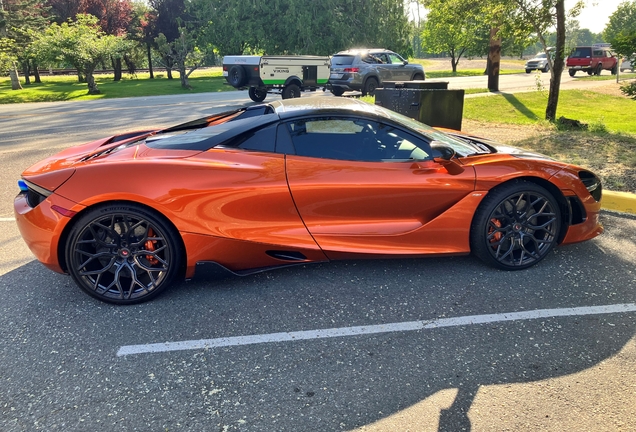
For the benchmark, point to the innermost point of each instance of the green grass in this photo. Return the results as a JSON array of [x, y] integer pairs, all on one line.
[[468, 73], [623, 76], [615, 113], [65, 88]]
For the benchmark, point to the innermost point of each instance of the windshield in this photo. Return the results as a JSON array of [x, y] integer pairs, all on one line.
[[540, 55], [462, 148]]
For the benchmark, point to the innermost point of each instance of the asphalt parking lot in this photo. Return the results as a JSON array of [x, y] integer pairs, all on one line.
[[439, 344], [486, 339]]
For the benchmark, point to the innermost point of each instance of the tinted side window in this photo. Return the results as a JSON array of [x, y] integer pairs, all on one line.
[[355, 140], [263, 139]]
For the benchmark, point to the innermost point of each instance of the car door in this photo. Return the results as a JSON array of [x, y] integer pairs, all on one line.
[[362, 186], [399, 71]]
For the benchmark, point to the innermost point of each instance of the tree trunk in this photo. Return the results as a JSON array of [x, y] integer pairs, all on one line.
[[26, 70], [90, 80], [557, 67], [152, 76], [494, 57], [36, 73], [15, 81], [117, 69], [184, 77]]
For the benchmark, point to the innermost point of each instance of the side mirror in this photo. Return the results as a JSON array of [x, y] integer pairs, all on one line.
[[445, 156], [441, 150], [405, 62]]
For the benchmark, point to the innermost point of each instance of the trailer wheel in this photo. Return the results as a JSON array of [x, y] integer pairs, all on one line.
[[236, 76], [291, 91], [257, 94]]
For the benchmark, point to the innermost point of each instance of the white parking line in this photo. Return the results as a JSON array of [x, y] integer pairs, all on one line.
[[372, 329]]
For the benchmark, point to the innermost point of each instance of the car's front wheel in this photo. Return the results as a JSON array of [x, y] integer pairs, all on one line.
[[122, 253], [515, 226]]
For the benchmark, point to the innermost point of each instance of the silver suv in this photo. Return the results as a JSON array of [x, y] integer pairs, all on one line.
[[366, 69]]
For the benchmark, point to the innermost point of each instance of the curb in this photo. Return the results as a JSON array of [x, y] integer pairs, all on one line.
[[619, 201]]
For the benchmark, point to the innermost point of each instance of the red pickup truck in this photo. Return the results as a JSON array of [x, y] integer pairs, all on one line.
[[592, 60]]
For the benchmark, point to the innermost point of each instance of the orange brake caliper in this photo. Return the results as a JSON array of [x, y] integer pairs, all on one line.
[[150, 245], [498, 235]]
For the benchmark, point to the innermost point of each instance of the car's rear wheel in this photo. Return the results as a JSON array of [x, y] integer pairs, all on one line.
[[291, 91], [599, 69], [614, 69], [418, 77], [515, 226], [257, 94], [122, 253], [370, 85], [572, 72]]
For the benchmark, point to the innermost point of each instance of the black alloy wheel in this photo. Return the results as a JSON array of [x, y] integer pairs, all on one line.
[[257, 94], [516, 226], [122, 253]]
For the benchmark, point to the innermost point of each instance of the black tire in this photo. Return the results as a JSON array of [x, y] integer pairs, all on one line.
[[122, 253], [599, 69], [418, 77], [370, 85], [257, 94], [572, 72], [291, 91], [614, 69], [590, 71], [236, 76], [515, 226], [546, 68], [528, 70], [337, 91]]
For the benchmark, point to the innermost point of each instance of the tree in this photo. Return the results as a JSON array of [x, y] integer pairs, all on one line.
[[449, 29], [623, 20], [81, 43], [19, 19], [302, 27], [170, 16], [184, 52], [544, 15]]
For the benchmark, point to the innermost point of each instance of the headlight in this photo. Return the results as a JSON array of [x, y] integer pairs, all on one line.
[[592, 183]]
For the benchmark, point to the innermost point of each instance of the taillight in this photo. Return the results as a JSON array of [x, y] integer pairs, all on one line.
[[351, 70], [225, 68]]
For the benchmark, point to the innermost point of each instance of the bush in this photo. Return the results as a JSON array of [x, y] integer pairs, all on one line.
[[629, 89]]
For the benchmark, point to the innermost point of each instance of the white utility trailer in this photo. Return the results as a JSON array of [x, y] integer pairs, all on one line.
[[287, 75]]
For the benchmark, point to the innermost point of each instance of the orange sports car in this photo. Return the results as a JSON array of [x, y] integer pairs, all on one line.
[[288, 182]]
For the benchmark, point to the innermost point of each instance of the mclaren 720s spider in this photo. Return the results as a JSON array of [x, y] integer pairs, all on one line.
[[288, 182]]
